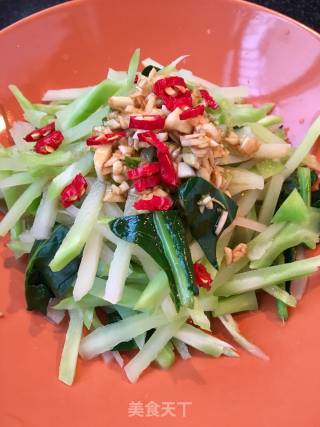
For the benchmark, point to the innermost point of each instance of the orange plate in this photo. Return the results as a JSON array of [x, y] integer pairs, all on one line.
[[230, 43]]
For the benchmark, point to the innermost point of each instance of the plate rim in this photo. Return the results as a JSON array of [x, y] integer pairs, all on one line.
[[73, 3]]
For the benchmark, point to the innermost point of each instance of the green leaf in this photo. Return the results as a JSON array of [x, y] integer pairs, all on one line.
[[41, 283], [144, 230], [140, 229], [203, 225], [171, 233]]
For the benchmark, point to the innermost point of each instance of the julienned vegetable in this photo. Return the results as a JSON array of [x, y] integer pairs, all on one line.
[[153, 205]]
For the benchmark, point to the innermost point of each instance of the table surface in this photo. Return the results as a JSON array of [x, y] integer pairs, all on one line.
[[305, 11]]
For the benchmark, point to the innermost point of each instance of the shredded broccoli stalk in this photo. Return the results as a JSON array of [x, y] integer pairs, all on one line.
[[303, 149], [88, 266], [78, 234], [280, 291], [10, 196], [154, 293], [291, 235], [257, 279], [204, 342], [233, 329], [304, 179], [236, 303], [281, 295], [166, 357], [45, 217], [107, 337], [82, 107], [152, 348], [271, 199], [84, 128], [118, 272], [270, 120], [69, 356], [198, 315], [21, 205], [226, 273], [20, 178]]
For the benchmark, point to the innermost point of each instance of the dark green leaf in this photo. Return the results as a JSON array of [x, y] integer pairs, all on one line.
[[41, 283], [147, 70], [171, 233], [203, 225], [140, 229]]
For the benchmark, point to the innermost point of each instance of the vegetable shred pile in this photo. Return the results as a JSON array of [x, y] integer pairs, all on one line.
[[152, 206]]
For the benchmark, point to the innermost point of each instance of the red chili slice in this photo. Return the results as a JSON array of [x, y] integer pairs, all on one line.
[[147, 169], [49, 144], [192, 112], [105, 138], [73, 192], [151, 138], [167, 170], [173, 91], [157, 203], [202, 276], [36, 134], [172, 103], [210, 102], [147, 122], [171, 86], [146, 182]]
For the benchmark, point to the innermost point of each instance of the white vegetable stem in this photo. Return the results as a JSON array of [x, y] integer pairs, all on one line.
[[82, 166], [21, 205], [204, 342], [250, 224], [21, 178], [272, 151], [45, 217], [107, 337], [246, 202], [118, 272], [243, 179], [303, 149], [181, 348], [281, 295], [151, 349], [64, 94], [88, 266], [69, 356], [80, 231], [119, 267], [271, 199], [233, 329], [18, 131], [256, 279]]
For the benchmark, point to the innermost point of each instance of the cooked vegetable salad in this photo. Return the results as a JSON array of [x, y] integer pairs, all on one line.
[[153, 205]]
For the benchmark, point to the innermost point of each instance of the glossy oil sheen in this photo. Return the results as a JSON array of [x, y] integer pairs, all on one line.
[[230, 43]]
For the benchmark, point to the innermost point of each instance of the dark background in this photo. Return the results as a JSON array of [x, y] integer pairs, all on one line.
[[305, 11]]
